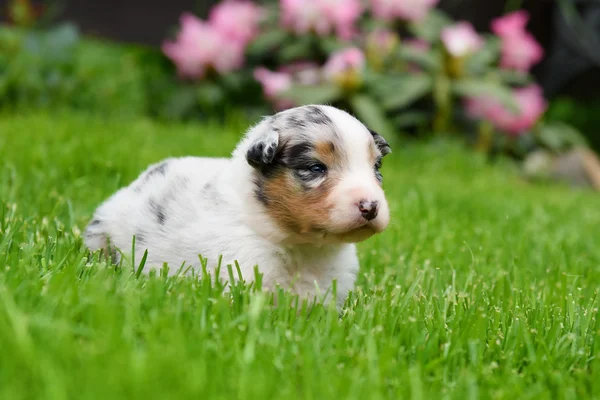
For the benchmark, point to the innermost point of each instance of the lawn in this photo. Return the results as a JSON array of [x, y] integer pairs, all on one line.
[[483, 286]]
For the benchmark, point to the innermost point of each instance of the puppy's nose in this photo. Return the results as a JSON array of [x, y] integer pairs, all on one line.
[[368, 209]]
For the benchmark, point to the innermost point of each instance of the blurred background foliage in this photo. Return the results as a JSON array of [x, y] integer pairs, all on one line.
[[395, 69]]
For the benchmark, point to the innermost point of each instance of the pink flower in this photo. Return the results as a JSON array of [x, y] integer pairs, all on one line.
[[410, 10], [274, 85], [379, 46], [383, 41], [510, 24], [417, 44], [461, 39], [238, 20], [520, 51], [347, 60], [323, 17], [529, 100], [303, 72], [345, 68], [343, 14], [199, 47], [301, 18]]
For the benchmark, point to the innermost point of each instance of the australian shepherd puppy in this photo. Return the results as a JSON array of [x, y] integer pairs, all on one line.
[[300, 189]]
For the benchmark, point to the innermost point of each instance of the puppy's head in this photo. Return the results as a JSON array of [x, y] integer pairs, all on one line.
[[316, 173]]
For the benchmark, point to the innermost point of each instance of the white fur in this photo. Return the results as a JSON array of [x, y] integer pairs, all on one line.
[[213, 212]]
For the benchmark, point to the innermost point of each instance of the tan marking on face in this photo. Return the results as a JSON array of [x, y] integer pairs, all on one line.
[[325, 152], [331, 155], [296, 209]]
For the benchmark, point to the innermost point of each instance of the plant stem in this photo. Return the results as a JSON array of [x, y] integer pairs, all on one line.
[[443, 103], [484, 138]]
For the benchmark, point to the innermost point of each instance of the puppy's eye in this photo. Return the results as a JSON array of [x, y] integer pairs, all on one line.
[[317, 169]]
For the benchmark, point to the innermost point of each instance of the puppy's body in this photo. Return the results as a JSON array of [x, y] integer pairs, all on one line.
[[267, 206]]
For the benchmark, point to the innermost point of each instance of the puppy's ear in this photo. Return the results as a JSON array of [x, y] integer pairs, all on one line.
[[381, 143], [263, 150]]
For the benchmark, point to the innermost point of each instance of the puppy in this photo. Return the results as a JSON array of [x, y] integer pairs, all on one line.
[[300, 189]]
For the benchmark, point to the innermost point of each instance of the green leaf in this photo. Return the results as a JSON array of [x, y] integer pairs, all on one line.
[[55, 45], [301, 47], [476, 88], [210, 93], [484, 58], [267, 41], [512, 77], [428, 60], [331, 44], [431, 27], [64, 35], [325, 93], [179, 103], [10, 40], [233, 81], [411, 118], [403, 90], [368, 111], [559, 136]]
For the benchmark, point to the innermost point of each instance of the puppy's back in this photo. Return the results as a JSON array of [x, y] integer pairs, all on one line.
[[164, 198]]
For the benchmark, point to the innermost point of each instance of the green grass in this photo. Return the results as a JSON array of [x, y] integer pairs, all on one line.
[[483, 286]]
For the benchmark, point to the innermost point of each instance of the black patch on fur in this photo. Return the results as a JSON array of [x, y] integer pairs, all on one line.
[[378, 176], [177, 184], [315, 115], [294, 122], [274, 153], [381, 143], [378, 163], [89, 229], [376, 167], [90, 235], [158, 210], [160, 169], [140, 238], [254, 154], [261, 153], [270, 170], [298, 156], [269, 153]]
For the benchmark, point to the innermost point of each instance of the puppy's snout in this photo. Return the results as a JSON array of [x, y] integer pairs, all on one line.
[[368, 209]]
